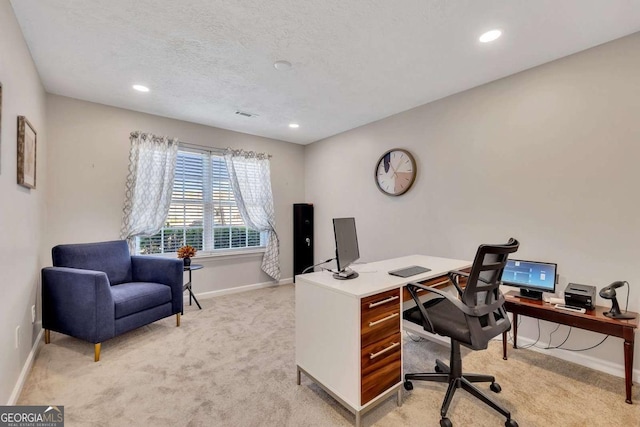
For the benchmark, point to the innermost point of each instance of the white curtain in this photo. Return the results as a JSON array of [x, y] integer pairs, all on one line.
[[152, 163], [250, 176]]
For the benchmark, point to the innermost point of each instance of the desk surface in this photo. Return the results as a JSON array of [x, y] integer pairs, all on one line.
[[595, 314], [374, 276]]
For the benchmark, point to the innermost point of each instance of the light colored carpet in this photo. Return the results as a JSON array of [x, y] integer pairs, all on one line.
[[233, 364]]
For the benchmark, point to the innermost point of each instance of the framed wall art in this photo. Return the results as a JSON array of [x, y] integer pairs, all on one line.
[[26, 153]]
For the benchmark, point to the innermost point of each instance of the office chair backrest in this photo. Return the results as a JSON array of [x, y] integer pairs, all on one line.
[[482, 293]]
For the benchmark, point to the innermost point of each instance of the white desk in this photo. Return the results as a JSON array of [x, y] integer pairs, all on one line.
[[349, 332]]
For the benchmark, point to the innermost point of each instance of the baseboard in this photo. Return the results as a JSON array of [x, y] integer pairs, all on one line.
[[17, 389], [228, 291], [579, 358]]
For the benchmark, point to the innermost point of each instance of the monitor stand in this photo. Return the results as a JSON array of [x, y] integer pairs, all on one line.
[[346, 274], [530, 294]]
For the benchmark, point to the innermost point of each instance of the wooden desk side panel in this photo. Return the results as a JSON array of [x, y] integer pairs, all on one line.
[[328, 339]]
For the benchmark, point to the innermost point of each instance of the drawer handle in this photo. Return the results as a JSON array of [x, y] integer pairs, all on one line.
[[384, 301], [392, 346], [384, 319]]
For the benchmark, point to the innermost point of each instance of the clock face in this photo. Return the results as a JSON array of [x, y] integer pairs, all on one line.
[[395, 172]]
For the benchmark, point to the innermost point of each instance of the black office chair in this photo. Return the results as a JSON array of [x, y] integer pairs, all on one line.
[[471, 319]]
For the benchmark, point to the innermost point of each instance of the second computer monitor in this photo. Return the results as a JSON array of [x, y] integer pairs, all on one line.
[[532, 277], [347, 252]]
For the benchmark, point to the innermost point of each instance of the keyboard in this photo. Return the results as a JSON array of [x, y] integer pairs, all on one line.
[[570, 308], [409, 271]]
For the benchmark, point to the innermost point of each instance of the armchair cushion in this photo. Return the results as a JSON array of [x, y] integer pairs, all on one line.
[[110, 257], [134, 297]]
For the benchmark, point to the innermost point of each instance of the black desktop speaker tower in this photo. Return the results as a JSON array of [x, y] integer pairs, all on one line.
[[302, 237]]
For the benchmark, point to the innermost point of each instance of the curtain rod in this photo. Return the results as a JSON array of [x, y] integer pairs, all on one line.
[[221, 150], [203, 147]]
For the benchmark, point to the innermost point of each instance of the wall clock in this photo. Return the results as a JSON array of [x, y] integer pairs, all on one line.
[[395, 172]]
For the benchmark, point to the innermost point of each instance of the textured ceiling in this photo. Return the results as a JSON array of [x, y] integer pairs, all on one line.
[[354, 61]]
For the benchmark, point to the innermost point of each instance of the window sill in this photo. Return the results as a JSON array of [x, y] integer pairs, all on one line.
[[238, 253], [230, 253]]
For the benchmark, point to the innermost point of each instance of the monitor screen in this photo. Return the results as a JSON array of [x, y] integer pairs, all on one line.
[[530, 275], [347, 251]]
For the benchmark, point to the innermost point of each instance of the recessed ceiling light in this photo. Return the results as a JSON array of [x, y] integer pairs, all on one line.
[[294, 125], [282, 65], [141, 88], [490, 36]]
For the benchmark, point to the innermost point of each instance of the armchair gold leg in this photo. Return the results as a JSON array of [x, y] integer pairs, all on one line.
[[47, 336], [96, 350], [177, 319]]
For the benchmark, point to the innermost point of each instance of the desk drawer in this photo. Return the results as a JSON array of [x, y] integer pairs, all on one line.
[[381, 367], [380, 317]]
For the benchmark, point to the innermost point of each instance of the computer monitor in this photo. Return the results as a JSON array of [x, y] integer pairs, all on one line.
[[532, 277], [344, 230]]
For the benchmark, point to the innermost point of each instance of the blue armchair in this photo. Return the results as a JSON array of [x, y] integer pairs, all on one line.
[[96, 291]]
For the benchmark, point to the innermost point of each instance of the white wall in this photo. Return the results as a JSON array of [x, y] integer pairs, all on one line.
[[88, 162], [548, 156], [21, 209]]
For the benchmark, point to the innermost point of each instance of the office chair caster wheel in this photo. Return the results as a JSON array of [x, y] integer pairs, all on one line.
[[445, 422], [408, 385], [511, 423], [438, 369], [495, 387]]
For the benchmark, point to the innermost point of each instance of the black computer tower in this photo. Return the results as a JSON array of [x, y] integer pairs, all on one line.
[[302, 237]]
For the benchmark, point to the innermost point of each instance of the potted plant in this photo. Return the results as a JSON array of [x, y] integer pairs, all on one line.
[[186, 252]]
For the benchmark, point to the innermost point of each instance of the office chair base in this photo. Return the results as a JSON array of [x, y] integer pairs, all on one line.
[[446, 422], [442, 367], [456, 379]]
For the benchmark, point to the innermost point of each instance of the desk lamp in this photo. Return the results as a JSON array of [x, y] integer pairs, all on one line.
[[610, 293]]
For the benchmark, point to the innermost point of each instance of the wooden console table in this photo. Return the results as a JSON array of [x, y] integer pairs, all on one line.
[[592, 320]]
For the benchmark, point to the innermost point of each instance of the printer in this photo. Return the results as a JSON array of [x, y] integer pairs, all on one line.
[[583, 296]]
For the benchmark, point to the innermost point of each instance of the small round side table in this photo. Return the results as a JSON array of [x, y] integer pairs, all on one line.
[[187, 286]]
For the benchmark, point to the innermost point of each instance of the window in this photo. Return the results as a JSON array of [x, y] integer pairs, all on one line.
[[203, 211]]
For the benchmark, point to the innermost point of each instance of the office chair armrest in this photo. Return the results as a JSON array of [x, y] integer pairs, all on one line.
[[470, 311], [459, 273], [462, 273], [454, 300], [411, 287], [453, 278]]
